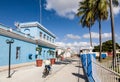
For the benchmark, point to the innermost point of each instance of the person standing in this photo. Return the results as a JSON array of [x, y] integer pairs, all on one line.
[[57, 55]]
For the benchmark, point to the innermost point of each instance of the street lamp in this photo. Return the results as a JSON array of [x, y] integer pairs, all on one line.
[[9, 42]]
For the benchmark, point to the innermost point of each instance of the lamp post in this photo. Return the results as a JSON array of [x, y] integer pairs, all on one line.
[[9, 42]]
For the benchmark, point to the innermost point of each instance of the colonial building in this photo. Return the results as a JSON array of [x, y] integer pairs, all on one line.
[[27, 38]]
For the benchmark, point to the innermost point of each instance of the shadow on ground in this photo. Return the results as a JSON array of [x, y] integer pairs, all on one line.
[[66, 61], [80, 76], [79, 66], [73, 60], [62, 62]]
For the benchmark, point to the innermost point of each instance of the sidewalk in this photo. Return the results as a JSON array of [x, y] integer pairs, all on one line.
[[73, 72], [61, 72]]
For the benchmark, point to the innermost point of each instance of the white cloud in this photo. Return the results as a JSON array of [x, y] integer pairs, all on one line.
[[96, 35], [74, 44], [60, 44], [67, 8], [63, 8], [106, 35], [71, 36], [93, 34], [116, 10]]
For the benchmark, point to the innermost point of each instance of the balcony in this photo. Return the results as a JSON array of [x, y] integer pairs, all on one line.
[[44, 42]]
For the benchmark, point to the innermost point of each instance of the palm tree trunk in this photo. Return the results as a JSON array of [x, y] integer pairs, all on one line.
[[90, 37], [113, 34], [100, 33]]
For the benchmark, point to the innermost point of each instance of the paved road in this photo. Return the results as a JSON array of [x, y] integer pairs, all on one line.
[[67, 71], [73, 72]]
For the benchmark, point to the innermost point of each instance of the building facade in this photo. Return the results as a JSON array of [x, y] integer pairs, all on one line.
[[27, 37]]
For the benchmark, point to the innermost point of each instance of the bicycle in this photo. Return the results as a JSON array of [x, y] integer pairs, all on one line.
[[46, 71]]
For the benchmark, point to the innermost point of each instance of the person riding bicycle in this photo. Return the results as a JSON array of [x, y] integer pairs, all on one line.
[[47, 69], [48, 64]]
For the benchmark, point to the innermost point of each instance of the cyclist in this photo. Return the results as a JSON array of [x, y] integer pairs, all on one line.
[[48, 64]]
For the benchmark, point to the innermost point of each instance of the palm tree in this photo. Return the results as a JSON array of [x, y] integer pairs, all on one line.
[[115, 3], [87, 19], [93, 10], [101, 13]]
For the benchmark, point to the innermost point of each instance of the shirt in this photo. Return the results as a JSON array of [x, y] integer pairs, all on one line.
[[47, 62]]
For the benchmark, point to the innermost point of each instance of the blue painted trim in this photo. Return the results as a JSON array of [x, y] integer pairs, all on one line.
[[87, 65]]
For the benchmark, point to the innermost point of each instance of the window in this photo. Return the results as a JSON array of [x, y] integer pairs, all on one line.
[[44, 36], [27, 31], [50, 39], [17, 52], [30, 56], [40, 34], [53, 40], [47, 37]]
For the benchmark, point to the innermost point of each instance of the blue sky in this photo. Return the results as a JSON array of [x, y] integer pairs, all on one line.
[[58, 16]]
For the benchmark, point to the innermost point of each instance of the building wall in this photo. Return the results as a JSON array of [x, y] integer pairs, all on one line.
[[26, 49], [23, 50], [35, 31], [45, 53], [31, 30]]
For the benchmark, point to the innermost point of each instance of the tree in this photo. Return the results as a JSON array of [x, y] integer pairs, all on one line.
[[106, 46], [96, 48], [101, 13], [100, 8], [115, 3], [85, 11], [93, 10]]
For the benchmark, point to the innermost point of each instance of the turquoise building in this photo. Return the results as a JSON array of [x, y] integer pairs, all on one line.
[[27, 37]]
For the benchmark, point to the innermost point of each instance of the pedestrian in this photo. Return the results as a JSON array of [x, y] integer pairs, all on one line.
[[57, 55]]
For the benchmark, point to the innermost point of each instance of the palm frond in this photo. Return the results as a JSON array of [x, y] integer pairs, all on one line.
[[115, 3]]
